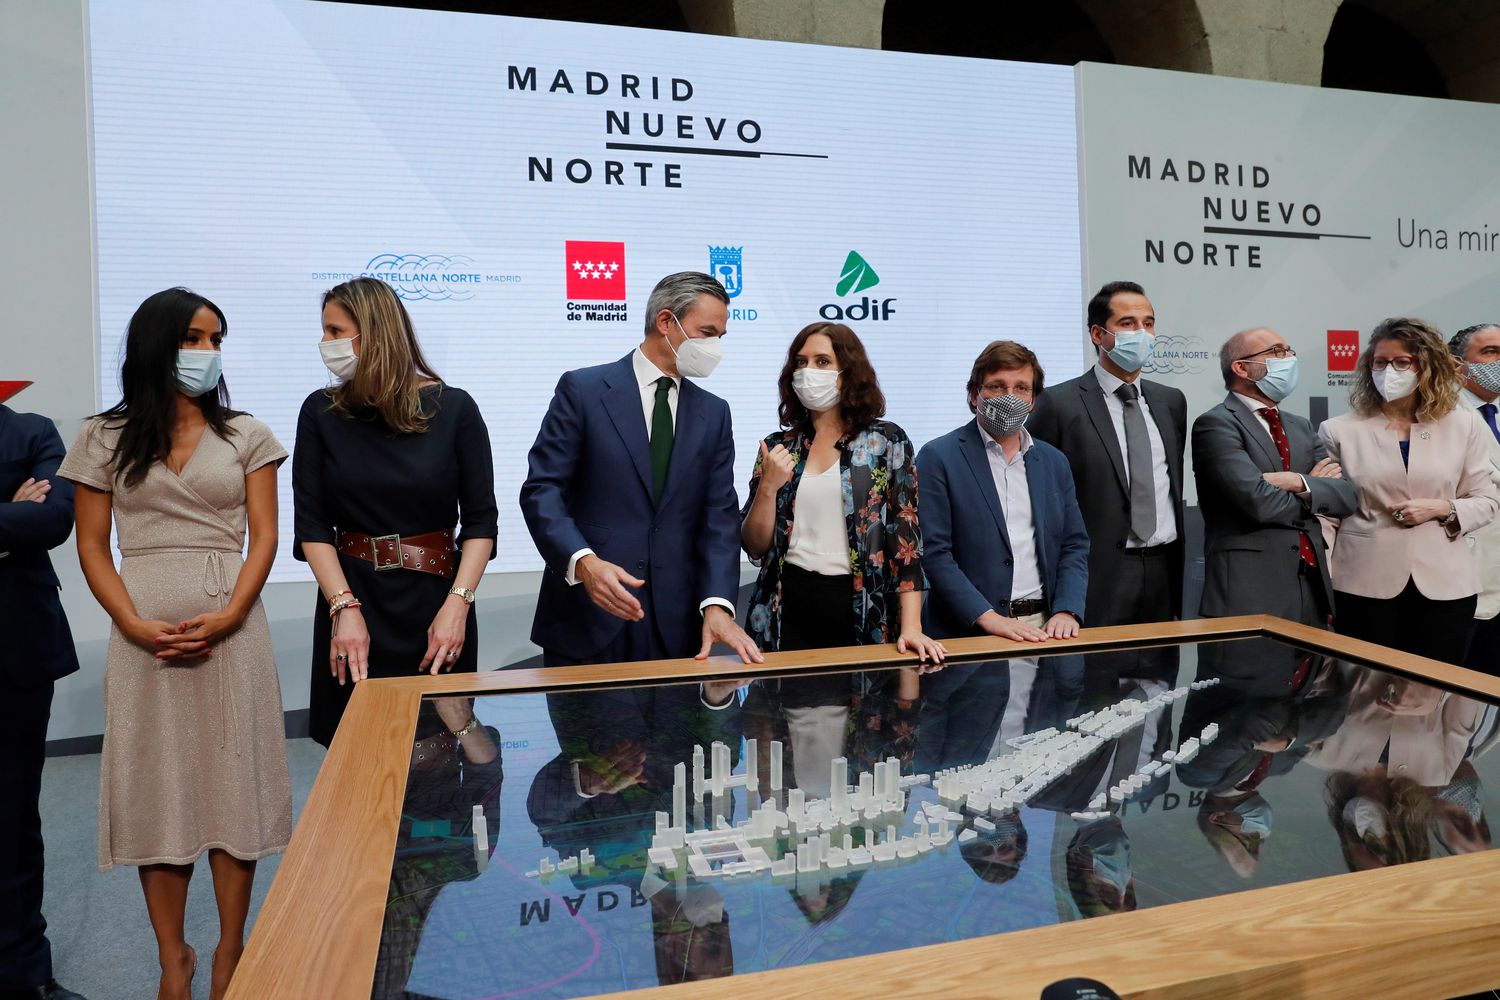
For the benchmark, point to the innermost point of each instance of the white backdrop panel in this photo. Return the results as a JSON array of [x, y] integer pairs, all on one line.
[[260, 151]]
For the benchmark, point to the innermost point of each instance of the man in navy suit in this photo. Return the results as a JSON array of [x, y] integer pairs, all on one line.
[[36, 514], [1006, 550], [630, 496]]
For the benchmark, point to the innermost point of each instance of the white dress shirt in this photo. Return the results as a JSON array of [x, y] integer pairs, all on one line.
[[820, 535], [1255, 406], [1166, 518], [646, 376], [1015, 504]]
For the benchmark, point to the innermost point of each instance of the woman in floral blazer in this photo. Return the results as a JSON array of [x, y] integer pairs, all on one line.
[[852, 574]]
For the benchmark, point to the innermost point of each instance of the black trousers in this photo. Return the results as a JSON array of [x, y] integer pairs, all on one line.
[[816, 611], [25, 955], [1484, 646], [1141, 591], [1409, 622]]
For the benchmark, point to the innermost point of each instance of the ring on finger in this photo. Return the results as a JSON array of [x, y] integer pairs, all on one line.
[[452, 654], [342, 657]]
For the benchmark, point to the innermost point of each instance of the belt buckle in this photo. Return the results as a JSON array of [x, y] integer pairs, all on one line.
[[375, 541]]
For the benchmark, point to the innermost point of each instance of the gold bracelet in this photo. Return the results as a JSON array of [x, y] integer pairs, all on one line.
[[466, 730]]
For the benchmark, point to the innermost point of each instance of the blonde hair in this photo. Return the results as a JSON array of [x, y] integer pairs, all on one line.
[[1437, 373], [391, 367]]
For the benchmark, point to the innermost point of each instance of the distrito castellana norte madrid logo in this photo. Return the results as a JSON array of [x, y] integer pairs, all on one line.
[[596, 281]]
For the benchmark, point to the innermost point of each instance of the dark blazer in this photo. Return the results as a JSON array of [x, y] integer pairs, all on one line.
[[589, 486], [967, 557], [38, 644], [1249, 526], [1072, 417]]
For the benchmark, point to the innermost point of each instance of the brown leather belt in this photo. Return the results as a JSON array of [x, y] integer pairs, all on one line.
[[428, 553], [1030, 606]]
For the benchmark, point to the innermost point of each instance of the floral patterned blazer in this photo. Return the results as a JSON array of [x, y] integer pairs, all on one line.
[[879, 473]]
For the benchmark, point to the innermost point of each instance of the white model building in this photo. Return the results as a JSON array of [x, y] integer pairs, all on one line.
[[822, 832]]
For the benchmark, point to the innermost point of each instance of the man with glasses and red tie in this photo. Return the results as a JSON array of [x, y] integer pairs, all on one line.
[[1263, 477], [1477, 350]]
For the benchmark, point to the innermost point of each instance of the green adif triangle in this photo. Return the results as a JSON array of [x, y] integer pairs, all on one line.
[[857, 275]]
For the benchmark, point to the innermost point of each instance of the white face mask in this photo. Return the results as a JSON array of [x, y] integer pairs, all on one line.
[[817, 388], [1394, 385], [339, 357], [1366, 816], [697, 357]]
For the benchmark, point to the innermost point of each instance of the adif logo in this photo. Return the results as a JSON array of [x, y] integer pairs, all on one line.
[[857, 275], [595, 280], [1343, 350]]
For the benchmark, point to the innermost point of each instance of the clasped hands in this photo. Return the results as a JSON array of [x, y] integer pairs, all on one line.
[[188, 641]]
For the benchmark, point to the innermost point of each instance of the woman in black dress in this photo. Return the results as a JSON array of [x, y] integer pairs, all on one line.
[[387, 462]]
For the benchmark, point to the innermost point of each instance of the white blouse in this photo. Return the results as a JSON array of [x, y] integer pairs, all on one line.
[[820, 537]]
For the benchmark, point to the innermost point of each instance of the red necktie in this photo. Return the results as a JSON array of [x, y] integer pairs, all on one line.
[[1252, 780], [1278, 434]]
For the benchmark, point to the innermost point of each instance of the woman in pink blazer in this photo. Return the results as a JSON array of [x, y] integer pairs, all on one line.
[[1402, 573]]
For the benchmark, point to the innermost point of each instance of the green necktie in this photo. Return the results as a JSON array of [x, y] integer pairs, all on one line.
[[661, 437]]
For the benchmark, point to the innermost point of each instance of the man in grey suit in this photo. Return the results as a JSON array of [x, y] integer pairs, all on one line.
[[1123, 436], [1477, 349], [1263, 477]]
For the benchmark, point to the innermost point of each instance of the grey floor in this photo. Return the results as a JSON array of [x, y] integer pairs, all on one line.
[[102, 945]]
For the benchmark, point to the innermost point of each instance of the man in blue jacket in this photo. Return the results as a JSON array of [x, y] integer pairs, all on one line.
[[1006, 549], [630, 496], [36, 514]]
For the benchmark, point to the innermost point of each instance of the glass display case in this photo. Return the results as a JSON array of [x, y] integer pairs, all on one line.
[[1242, 801]]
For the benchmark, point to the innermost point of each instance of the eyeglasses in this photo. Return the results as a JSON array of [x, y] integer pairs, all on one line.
[[1279, 351], [1402, 364]]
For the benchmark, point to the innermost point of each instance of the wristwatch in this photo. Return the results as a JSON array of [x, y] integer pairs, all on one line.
[[1452, 513], [464, 592]]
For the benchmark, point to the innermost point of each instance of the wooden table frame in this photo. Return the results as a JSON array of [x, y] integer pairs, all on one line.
[[1390, 932]]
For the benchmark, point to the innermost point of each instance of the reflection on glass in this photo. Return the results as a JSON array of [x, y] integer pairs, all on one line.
[[878, 810]]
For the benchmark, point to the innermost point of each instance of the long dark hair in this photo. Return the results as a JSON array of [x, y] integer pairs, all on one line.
[[860, 400], [147, 408]]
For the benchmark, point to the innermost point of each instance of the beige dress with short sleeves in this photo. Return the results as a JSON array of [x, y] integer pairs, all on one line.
[[194, 755]]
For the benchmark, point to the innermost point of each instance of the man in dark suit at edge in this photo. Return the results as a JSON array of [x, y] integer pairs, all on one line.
[[36, 515]]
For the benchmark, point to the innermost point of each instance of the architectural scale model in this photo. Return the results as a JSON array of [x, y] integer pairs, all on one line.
[[864, 822]]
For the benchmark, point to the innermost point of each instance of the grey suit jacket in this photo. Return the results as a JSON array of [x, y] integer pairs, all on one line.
[[1250, 527]]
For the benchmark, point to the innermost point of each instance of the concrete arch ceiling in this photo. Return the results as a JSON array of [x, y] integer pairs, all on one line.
[[1462, 37], [1166, 34]]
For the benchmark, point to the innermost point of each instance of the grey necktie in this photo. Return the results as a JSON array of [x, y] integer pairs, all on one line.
[[1138, 461]]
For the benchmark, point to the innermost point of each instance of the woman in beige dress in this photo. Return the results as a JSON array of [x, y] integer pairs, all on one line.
[[194, 746]]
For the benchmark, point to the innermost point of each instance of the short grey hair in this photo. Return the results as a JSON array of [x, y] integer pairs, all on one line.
[[1458, 344], [680, 292], [1230, 353]]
